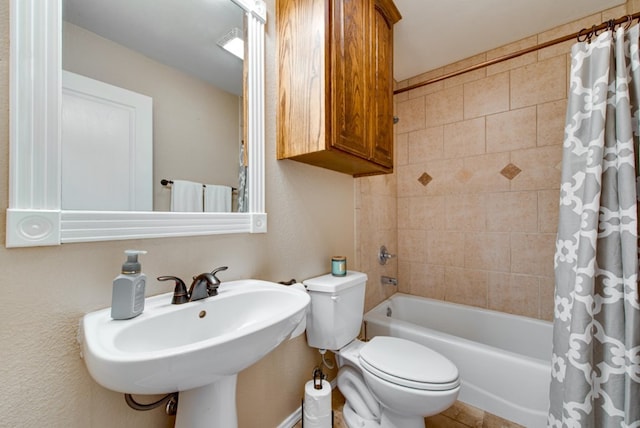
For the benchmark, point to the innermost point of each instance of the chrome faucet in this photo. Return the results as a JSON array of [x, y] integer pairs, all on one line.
[[384, 255], [203, 286]]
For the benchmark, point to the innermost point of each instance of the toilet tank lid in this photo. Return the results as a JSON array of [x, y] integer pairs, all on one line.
[[331, 284]]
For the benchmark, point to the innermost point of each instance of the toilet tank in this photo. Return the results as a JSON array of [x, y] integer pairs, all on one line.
[[337, 307]]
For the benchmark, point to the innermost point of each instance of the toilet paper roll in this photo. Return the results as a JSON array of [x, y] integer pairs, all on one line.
[[317, 406]]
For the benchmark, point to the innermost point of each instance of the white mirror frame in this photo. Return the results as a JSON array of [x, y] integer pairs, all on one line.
[[35, 216]]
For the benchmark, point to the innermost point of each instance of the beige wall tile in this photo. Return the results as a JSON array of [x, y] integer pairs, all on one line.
[[411, 245], [539, 83], [563, 30], [551, 120], [487, 251], [411, 114], [466, 138], [426, 76], [512, 130], [444, 106], [401, 148], [548, 209], [484, 173], [382, 184], [486, 96], [421, 91], [466, 212], [377, 212], [463, 78], [400, 84], [468, 76], [408, 184], [426, 144], [446, 179], [515, 62], [426, 213], [532, 253], [404, 218], [445, 248], [462, 64], [540, 168], [512, 212], [466, 286], [427, 281], [376, 292], [404, 275], [614, 13], [421, 212], [514, 294]]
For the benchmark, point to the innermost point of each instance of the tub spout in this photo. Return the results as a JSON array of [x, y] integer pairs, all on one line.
[[387, 280]]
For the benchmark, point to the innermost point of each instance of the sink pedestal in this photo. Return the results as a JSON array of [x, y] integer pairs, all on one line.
[[209, 406]]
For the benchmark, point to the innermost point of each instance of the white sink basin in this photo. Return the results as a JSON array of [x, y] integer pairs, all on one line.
[[172, 348]]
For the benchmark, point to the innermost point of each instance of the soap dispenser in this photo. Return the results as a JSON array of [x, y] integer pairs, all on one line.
[[127, 300]]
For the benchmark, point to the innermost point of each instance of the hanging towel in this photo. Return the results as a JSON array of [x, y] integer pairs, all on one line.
[[217, 199], [186, 196]]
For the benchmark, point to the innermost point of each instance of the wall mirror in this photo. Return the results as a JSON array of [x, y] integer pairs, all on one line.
[[37, 215]]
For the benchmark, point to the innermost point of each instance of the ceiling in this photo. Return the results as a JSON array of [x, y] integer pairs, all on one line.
[[179, 33], [432, 33]]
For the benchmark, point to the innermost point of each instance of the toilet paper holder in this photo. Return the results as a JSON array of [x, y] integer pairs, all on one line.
[[315, 416], [317, 378]]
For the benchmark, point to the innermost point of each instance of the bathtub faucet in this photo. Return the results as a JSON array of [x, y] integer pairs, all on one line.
[[387, 280], [384, 255]]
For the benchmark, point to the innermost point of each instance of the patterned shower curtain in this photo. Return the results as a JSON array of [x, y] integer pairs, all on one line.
[[595, 379]]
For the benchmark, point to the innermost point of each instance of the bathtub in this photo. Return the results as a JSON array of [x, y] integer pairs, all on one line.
[[503, 360]]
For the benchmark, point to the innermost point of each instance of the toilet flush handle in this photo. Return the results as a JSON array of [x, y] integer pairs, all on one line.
[[335, 298]]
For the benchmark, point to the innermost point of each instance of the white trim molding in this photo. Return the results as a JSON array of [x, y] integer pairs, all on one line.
[[35, 216]]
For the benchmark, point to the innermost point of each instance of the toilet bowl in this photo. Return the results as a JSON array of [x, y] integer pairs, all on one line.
[[408, 380], [387, 382]]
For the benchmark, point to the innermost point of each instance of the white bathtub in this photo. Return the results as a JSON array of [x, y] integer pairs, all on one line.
[[504, 360]]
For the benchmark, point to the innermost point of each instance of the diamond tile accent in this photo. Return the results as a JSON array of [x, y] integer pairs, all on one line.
[[510, 171], [425, 179]]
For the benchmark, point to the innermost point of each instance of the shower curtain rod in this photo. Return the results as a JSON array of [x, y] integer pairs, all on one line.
[[585, 33]]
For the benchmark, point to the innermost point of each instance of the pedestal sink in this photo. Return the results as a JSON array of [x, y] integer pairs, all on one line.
[[196, 348]]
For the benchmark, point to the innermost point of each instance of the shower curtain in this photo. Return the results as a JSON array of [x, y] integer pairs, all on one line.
[[595, 379]]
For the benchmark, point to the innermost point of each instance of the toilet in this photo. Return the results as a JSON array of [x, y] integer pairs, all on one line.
[[387, 382]]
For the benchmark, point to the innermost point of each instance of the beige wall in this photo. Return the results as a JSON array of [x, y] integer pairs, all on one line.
[[196, 126], [473, 234], [45, 291]]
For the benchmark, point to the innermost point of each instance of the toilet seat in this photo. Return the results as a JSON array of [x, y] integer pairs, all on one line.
[[408, 364]]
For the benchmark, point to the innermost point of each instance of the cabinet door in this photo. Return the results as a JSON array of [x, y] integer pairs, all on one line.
[[350, 67], [382, 97]]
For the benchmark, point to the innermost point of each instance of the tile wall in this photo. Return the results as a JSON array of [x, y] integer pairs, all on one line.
[[473, 199]]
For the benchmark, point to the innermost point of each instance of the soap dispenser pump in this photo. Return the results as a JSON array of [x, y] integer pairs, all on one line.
[[127, 300]]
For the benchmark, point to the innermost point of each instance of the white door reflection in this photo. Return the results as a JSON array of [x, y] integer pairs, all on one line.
[[107, 147]]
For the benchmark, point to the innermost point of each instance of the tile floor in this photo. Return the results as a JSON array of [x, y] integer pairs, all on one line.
[[459, 415]]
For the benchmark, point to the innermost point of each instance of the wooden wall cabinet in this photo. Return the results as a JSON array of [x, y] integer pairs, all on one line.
[[336, 84]]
